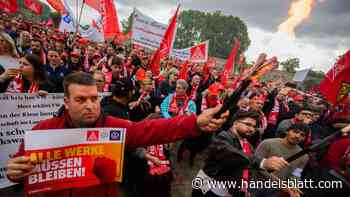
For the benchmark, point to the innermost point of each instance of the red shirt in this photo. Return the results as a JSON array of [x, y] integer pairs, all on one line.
[[138, 134]]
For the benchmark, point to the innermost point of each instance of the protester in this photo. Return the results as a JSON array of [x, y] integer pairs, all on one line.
[[230, 155], [83, 110], [303, 116], [284, 147], [178, 103], [168, 86], [117, 104], [56, 70], [30, 77], [100, 80], [144, 101], [35, 58]]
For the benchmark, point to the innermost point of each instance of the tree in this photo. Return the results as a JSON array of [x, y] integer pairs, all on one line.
[[56, 18], [290, 65], [216, 27], [313, 78]]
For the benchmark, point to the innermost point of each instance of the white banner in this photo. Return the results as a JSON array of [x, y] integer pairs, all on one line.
[[19, 113], [195, 54], [147, 32]]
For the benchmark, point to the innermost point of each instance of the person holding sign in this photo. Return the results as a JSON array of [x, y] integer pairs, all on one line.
[[82, 110]]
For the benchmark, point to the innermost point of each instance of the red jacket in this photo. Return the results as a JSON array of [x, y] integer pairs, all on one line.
[[138, 134]]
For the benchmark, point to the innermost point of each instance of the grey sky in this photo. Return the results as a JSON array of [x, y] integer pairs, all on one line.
[[320, 39]]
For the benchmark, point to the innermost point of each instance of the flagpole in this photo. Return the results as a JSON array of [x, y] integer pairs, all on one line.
[[81, 13], [76, 12]]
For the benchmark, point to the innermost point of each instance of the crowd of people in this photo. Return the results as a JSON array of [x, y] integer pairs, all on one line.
[[275, 119]]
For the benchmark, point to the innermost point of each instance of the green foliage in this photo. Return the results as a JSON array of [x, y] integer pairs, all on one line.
[[216, 27], [313, 78], [290, 65], [127, 24], [56, 18]]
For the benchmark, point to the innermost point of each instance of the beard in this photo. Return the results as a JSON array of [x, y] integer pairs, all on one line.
[[245, 135]]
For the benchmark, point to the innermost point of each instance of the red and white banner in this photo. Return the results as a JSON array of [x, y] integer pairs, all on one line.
[[74, 158], [195, 54]]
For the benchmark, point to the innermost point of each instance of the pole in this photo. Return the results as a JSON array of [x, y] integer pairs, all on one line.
[[78, 18], [81, 13]]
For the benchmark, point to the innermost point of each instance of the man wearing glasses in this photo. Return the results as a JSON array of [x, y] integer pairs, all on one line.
[[305, 115], [229, 158]]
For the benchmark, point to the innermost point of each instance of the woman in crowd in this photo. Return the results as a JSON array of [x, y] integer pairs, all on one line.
[[30, 77]]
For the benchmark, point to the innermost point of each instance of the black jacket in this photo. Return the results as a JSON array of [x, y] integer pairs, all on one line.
[[226, 159], [111, 107]]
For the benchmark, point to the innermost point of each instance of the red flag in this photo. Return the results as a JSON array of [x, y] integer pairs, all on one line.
[[336, 84], [155, 63], [165, 45], [94, 4], [110, 19], [230, 61], [184, 71], [34, 6], [57, 5], [167, 42], [10, 6]]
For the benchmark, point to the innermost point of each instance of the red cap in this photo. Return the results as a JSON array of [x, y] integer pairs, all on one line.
[[215, 88], [298, 98], [83, 41], [96, 55], [75, 54]]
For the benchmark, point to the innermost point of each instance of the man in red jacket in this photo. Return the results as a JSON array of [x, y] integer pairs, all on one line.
[[82, 110]]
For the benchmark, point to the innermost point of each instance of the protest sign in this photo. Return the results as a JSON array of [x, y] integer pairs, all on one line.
[[148, 33], [195, 54], [9, 62], [19, 113], [73, 158]]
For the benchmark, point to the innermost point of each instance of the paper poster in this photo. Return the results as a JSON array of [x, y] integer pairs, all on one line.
[[74, 158], [148, 33], [300, 75], [9, 62], [19, 113]]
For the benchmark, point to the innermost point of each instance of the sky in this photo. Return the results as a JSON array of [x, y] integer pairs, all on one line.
[[320, 39]]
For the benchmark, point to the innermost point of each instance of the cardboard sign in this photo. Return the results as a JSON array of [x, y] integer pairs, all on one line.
[[74, 158]]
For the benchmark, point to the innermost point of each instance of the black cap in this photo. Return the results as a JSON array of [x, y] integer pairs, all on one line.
[[121, 88]]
